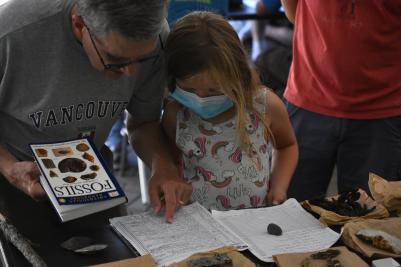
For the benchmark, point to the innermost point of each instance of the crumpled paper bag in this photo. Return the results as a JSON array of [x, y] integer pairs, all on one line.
[[238, 260], [346, 257], [391, 226], [331, 218], [385, 192]]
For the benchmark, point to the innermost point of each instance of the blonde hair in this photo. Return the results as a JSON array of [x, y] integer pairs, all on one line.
[[205, 42]]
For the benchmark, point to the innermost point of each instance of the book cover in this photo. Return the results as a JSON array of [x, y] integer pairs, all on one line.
[[75, 176]]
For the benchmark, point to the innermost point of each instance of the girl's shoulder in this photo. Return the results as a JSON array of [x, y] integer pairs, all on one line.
[[273, 105], [171, 106], [260, 96], [263, 98], [263, 92], [176, 111]]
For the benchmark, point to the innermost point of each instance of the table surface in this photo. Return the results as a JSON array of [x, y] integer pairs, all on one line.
[[46, 238], [46, 242], [38, 222]]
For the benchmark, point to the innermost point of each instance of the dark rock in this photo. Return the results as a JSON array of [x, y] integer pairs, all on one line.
[[216, 260], [274, 229], [76, 242], [347, 204]]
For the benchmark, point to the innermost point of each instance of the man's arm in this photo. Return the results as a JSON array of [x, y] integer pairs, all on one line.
[[166, 187], [24, 175], [290, 8]]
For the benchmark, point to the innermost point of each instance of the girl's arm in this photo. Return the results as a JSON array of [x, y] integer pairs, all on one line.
[[290, 8], [285, 149]]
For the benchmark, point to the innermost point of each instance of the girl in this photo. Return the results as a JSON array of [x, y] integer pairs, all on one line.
[[222, 121]]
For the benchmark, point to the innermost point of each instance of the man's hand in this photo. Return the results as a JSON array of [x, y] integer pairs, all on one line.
[[167, 191], [24, 175]]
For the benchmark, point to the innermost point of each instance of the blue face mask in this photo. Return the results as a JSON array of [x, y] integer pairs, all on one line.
[[206, 107]]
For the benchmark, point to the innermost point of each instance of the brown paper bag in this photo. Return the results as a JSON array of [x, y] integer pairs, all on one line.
[[346, 257], [143, 261], [238, 260], [385, 192], [391, 226], [331, 218]]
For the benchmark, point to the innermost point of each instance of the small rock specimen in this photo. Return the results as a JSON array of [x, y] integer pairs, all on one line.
[[274, 229]]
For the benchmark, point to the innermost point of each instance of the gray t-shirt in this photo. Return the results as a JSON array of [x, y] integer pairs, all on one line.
[[48, 89]]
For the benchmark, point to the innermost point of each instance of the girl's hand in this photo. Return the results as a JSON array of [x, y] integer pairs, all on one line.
[[276, 196]]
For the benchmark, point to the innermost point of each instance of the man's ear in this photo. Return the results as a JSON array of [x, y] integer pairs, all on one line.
[[77, 24]]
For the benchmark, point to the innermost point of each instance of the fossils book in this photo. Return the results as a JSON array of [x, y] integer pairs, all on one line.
[[76, 178]]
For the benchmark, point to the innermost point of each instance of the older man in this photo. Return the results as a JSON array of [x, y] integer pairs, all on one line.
[[68, 69]]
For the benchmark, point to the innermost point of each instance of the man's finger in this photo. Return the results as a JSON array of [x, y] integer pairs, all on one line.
[[186, 196], [37, 192], [155, 201], [180, 198], [171, 203], [33, 171], [162, 205]]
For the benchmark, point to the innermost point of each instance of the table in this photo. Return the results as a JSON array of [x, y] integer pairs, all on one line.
[[46, 243], [40, 224], [49, 249]]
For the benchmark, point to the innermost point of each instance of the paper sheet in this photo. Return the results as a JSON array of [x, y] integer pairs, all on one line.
[[194, 230], [301, 231]]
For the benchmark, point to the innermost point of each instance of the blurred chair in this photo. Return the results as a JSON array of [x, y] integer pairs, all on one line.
[[118, 144], [143, 170], [144, 174]]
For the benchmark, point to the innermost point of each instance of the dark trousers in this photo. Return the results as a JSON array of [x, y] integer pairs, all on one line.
[[355, 147]]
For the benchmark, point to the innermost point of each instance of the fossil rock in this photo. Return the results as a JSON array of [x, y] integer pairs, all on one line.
[[274, 229], [380, 239]]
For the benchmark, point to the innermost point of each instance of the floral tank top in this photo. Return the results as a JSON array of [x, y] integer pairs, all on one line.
[[222, 175]]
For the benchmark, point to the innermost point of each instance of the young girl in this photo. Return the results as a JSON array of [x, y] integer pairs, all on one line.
[[222, 121]]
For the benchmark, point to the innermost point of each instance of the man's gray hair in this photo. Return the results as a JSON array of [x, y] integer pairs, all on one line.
[[137, 20]]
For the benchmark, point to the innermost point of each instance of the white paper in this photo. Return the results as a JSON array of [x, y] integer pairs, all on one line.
[[301, 231], [193, 230]]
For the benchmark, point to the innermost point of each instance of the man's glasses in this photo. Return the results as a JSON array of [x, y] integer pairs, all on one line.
[[118, 66]]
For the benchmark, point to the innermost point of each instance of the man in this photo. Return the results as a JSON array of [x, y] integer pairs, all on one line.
[[68, 69], [344, 92]]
